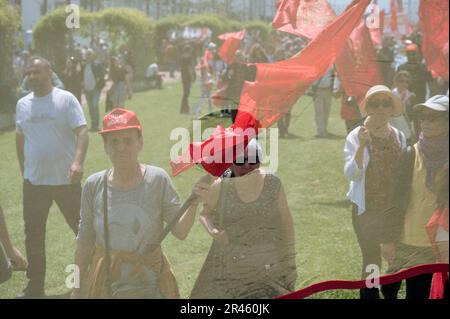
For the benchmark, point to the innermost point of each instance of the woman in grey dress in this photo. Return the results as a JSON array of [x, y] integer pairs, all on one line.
[[253, 252]]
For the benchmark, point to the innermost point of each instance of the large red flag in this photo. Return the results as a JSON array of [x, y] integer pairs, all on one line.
[[276, 89], [434, 24], [232, 43], [357, 65], [279, 85], [393, 16], [306, 18]]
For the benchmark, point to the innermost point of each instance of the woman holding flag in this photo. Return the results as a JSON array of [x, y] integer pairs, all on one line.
[[371, 154]]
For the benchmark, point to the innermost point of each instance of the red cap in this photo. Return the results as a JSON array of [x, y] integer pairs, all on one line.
[[120, 119], [412, 48]]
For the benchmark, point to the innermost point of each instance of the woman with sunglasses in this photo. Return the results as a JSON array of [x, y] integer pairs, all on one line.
[[371, 153], [253, 253], [406, 242]]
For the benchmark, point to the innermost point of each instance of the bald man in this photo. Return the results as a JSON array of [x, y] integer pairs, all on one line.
[[51, 144]]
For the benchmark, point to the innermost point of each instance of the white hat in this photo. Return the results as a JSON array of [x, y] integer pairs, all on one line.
[[382, 89], [212, 45], [437, 103]]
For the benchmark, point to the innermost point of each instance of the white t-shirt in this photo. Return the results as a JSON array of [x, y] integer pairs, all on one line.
[[50, 144], [152, 70]]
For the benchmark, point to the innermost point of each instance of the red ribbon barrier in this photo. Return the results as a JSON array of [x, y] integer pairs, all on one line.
[[359, 284]]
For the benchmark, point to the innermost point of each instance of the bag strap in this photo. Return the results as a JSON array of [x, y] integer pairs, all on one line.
[[5, 265], [222, 201], [106, 235]]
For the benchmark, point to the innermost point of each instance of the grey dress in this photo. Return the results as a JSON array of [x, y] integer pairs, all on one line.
[[251, 265]]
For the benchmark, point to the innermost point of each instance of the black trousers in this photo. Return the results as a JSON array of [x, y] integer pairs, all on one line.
[[417, 288], [37, 201]]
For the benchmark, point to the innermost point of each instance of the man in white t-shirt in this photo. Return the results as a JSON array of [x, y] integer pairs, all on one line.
[[51, 142]]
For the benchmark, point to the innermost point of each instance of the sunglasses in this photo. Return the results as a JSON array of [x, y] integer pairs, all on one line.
[[374, 104], [250, 161]]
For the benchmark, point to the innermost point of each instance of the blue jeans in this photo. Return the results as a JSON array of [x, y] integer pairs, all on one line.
[[93, 98]]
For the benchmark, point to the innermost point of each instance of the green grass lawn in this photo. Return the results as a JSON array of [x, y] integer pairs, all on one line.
[[311, 170]]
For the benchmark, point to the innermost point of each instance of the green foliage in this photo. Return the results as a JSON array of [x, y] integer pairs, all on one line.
[[51, 37], [133, 29], [124, 26], [9, 26], [164, 25], [263, 28], [215, 23]]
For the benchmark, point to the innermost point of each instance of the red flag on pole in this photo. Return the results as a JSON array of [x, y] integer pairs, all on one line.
[[306, 18], [357, 65], [276, 89], [434, 24], [279, 85], [233, 41], [393, 16]]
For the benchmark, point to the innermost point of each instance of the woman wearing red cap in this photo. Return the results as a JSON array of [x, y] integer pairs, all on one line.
[[139, 199]]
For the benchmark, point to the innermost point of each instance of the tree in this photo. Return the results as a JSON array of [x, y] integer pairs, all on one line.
[[9, 26]]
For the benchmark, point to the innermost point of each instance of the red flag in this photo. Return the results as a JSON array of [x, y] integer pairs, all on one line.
[[232, 43], [279, 85], [434, 24], [286, 13], [357, 65], [306, 18], [393, 16], [217, 153], [276, 89]]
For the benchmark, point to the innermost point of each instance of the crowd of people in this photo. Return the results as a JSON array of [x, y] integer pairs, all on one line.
[[396, 160]]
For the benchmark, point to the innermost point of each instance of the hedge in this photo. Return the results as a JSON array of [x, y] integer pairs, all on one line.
[[51, 36], [138, 38], [125, 26], [262, 27], [9, 26], [131, 28]]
